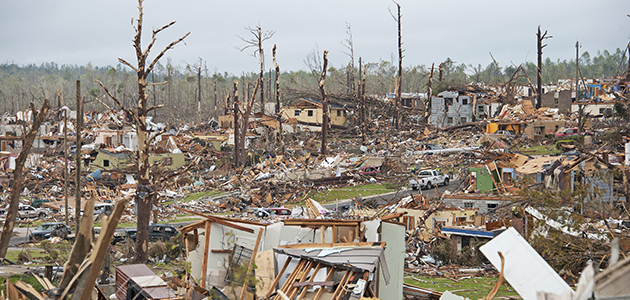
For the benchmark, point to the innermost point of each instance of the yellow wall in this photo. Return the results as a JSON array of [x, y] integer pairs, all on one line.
[[317, 116], [177, 160]]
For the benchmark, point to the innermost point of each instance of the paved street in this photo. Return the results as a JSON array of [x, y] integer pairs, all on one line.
[[386, 198]]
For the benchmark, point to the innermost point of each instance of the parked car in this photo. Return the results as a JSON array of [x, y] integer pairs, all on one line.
[[429, 178], [571, 131], [157, 232], [369, 170], [281, 212], [27, 212], [48, 230]]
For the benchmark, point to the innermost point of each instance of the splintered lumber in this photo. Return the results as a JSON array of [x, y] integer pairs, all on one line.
[[277, 279], [321, 289], [251, 261], [342, 284], [296, 271], [298, 284], [294, 290], [12, 292], [81, 247], [102, 245], [204, 262], [218, 220]]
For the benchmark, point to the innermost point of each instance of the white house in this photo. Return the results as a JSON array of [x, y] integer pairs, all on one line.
[[451, 108]]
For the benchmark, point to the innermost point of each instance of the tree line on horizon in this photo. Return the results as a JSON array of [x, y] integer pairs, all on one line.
[[20, 85]]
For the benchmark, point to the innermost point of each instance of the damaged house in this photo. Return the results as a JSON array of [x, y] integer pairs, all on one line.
[[450, 108], [218, 248]]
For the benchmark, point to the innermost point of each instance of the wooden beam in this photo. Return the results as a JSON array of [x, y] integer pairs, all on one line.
[[322, 230], [277, 279], [342, 283], [204, 262], [321, 289], [217, 220], [102, 245], [294, 290], [319, 265], [292, 276], [251, 262], [328, 245]]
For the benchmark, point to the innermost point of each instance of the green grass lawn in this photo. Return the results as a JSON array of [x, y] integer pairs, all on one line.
[[540, 150], [351, 192], [471, 287]]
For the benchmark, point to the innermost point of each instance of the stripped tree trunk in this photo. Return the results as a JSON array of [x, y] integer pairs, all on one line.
[[399, 79], [18, 177], [324, 103], [237, 156], [144, 191], [278, 116]]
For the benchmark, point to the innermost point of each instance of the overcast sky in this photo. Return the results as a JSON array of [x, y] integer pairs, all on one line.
[[80, 31]]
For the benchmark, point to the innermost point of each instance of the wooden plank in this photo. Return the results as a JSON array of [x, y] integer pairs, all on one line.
[[221, 250], [294, 290], [102, 245], [342, 284], [289, 280], [312, 283], [310, 280], [272, 288], [251, 261], [322, 230], [328, 245], [217, 220], [321, 289], [204, 262], [334, 234]]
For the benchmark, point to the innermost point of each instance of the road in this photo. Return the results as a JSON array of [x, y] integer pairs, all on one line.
[[386, 198]]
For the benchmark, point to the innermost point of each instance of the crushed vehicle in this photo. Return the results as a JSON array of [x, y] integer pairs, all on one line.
[[48, 230], [28, 212], [428, 178]]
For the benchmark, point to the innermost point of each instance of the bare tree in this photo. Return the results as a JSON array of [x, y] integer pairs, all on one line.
[[540, 37], [349, 44], [18, 176], [322, 80], [144, 192], [256, 42], [399, 78]]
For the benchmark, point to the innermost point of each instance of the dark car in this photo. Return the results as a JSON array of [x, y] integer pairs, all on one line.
[[48, 230], [157, 232]]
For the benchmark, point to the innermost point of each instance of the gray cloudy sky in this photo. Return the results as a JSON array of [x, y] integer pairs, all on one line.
[[82, 31]]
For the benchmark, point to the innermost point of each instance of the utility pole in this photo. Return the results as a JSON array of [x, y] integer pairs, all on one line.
[[77, 197], [540, 39]]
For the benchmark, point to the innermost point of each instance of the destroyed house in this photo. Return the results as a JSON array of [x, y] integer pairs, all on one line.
[[451, 108], [138, 282], [310, 111], [218, 247], [484, 203], [115, 138], [106, 160]]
